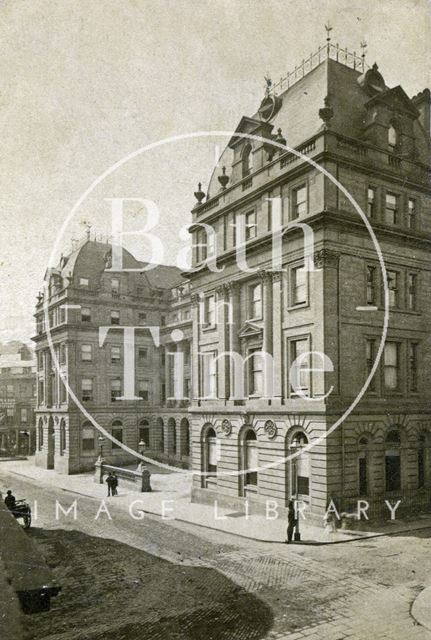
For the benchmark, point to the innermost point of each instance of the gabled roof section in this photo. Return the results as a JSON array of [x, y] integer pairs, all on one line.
[[395, 99], [246, 125]]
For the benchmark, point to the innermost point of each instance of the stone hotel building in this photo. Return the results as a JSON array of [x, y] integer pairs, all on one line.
[[375, 141]]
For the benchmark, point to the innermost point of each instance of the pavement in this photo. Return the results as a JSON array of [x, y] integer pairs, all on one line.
[[170, 500], [361, 590]]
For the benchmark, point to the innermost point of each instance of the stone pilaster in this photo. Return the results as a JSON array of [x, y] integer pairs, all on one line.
[[223, 319], [234, 325], [277, 351], [195, 347]]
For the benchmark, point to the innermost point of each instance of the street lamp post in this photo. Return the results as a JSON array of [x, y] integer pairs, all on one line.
[[141, 450], [143, 470], [141, 445], [101, 440]]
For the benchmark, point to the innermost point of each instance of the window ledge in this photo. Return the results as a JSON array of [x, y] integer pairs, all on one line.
[[412, 312], [209, 327], [300, 305]]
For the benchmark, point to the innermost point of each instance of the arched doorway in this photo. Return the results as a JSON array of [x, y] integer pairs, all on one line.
[[298, 467], [249, 462], [209, 456]]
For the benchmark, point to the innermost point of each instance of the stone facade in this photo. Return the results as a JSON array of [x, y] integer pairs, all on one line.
[[355, 144], [80, 297], [374, 141]]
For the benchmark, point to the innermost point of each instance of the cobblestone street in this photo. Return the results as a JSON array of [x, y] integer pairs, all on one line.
[[215, 585]]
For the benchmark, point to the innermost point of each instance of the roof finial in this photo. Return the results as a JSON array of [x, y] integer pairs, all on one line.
[[328, 32], [268, 81], [363, 47]]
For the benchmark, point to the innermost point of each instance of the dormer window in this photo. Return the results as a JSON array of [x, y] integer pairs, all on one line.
[[247, 160], [392, 137]]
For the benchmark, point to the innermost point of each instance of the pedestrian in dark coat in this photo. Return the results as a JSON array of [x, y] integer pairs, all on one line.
[[291, 521], [114, 484], [10, 500], [110, 482]]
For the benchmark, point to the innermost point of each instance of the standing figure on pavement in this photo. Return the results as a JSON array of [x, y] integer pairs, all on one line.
[[10, 500], [291, 521], [110, 482], [114, 484]]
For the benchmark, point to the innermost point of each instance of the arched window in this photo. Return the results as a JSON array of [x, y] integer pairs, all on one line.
[[247, 160], [185, 437], [87, 437], [421, 461], [393, 461], [117, 433], [250, 458], [300, 465], [363, 466], [392, 137], [144, 432], [62, 436], [161, 432], [40, 434], [209, 454], [172, 429]]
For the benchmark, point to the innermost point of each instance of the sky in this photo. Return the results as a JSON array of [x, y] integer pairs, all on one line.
[[87, 82]]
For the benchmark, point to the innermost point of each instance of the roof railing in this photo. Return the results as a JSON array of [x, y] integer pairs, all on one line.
[[329, 50]]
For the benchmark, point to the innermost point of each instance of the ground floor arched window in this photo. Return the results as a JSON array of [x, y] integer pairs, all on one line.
[[185, 437], [161, 433], [88, 437], [363, 466], [62, 436], [117, 433], [144, 432], [172, 429], [40, 434], [421, 461], [393, 461]]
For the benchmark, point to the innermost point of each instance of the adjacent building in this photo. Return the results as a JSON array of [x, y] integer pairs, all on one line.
[[88, 308], [17, 401]]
